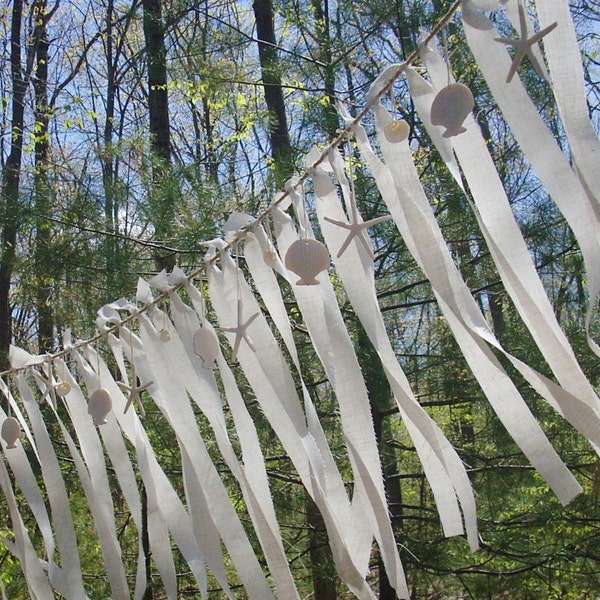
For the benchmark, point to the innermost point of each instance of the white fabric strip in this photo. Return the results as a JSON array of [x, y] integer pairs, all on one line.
[[269, 376], [117, 420], [21, 468], [205, 529], [539, 146], [512, 257], [261, 505], [57, 496], [179, 522], [402, 192], [265, 369], [568, 83], [256, 247], [165, 364], [327, 329], [251, 475], [22, 548], [17, 413], [444, 469], [96, 485], [116, 450], [102, 514]]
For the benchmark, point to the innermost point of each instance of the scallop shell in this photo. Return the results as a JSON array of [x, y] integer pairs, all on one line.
[[450, 108], [307, 258], [396, 131], [206, 346], [164, 335], [63, 388], [11, 431], [99, 406]]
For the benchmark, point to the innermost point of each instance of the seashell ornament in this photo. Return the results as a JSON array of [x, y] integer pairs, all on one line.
[[62, 389], [307, 258], [206, 346], [396, 131], [99, 406], [270, 258], [11, 432], [450, 108], [164, 335]]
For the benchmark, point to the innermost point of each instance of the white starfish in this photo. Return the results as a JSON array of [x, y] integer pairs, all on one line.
[[524, 45], [356, 228], [50, 391], [134, 392], [240, 330], [51, 387]]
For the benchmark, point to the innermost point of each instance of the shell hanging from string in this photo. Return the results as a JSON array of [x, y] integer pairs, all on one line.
[[450, 108], [206, 346], [397, 130], [11, 432], [307, 258], [62, 388], [99, 405], [452, 104]]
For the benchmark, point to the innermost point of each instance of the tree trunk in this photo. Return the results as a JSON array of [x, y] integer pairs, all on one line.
[[324, 576], [108, 159], [279, 135], [163, 194], [43, 262], [11, 183], [324, 55], [158, 97]]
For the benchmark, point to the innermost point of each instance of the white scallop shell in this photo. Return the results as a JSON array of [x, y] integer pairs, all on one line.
[[396, 131], [99, 406], [63, 388], [11, 431], [450, 108], [307, 258], [206, 346]]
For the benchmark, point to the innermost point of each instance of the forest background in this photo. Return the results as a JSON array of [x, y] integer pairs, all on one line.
[[130, 131]]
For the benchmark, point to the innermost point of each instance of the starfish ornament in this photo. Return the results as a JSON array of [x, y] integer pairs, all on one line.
[[134, 392], [356, 228], [50, 391], [51, 387], [524, 45], [240, 330]]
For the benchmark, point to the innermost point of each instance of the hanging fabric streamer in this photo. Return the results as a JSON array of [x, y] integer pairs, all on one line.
[[579, 405], [539, 146], [568, 84], [445, 471], [321, 314], [401, 190]]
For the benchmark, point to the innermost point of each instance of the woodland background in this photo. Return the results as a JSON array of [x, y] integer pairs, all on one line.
[[130, 130]]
